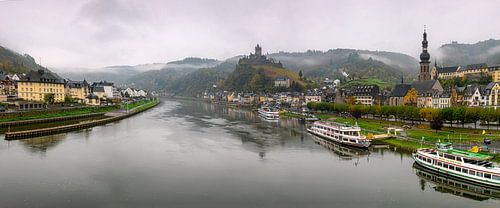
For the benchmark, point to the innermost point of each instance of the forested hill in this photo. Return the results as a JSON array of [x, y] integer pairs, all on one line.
[[166, 77], [454, 53], [13, 62], [312, 60]]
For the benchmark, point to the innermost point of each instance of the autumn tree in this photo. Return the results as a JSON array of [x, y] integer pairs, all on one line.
[[410, 98], [351, 100]]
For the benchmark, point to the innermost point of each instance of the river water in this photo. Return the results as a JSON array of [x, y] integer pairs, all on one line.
[[194, 154]]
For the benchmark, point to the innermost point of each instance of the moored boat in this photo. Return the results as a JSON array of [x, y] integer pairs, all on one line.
[[340, 133], [269, 114], [445, 183], [467, 165]]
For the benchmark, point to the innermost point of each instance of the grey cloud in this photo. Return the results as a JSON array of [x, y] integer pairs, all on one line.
[[96, 33]]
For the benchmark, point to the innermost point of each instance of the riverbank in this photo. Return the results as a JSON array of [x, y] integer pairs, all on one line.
[[55, 113], [415, 134], [83, 125]]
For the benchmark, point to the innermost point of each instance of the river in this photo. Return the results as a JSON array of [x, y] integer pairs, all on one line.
[[195, 154]]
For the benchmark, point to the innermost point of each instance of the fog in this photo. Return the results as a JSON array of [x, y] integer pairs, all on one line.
[[98, 33]]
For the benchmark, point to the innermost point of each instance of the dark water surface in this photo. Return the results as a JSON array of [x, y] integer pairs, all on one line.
[[193, 154]]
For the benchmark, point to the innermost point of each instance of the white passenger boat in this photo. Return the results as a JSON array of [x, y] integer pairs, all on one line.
[[340, 133], [467, 165], [452, 185], [269, 114]]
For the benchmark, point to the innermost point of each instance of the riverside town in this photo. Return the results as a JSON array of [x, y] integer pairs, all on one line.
[[300, 104]]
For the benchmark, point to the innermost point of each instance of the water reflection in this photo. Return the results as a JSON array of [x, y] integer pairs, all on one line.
[[256, 135], [450, 185], [43, 144], [195, 154]]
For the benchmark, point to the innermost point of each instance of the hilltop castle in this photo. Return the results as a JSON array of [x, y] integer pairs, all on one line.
[[258, 59]]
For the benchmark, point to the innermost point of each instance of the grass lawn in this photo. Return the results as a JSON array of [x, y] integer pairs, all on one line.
[[291, 115], [72, 112], [136, 104], [408, 145], [146, 105], [473, 135]]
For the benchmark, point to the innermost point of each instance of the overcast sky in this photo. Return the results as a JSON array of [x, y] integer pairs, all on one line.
[[96, 33]]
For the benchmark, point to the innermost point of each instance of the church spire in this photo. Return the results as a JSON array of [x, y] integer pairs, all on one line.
[[424, 59]]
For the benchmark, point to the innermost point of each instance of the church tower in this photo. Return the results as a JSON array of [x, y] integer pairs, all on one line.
[[424, 61]]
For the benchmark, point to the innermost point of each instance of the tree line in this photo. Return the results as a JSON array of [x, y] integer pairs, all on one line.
[[435, 117]]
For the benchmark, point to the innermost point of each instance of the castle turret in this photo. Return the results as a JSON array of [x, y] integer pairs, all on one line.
[[258, 51]]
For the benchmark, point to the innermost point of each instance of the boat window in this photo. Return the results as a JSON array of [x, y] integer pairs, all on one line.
[[451, 167], [458, 169], [352, 140], [440, 164], [496, 177], [451, 157], [471, 172], [464, 170], [487, 175], [445, 165], [470, 161], [458, 159], [479, 174], [441, 154]]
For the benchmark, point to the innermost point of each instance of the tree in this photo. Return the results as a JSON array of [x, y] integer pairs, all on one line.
[[49, 98], [411, 97], [472, 116], [459, 115], [351, 100], [433, 116], [448, 115], [356, 111], [68, 99], [486, 115]]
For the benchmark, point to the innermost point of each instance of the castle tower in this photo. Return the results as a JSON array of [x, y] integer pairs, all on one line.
[[258, 51], [424, 60]]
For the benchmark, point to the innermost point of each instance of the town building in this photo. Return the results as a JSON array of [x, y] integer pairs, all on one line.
[[490, 95], [472, 96], [92, 99], [37, 84], [441, 100], [365, 94], [78, 90], [8, 86], [105, 89], [312, 98], [397, 95], [282, 82]]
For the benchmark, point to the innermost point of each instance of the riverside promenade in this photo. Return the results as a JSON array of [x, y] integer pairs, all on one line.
[[111, 117]]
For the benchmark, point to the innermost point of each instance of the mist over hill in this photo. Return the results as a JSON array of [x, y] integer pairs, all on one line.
[[164, 78], [454, 53], [14, 62], [139, 75]]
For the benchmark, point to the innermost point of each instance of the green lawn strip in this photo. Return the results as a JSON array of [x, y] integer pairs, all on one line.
[[136, 104], [443, 136], [291, 115], [146, 105], [71, 112], [409, 145]]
